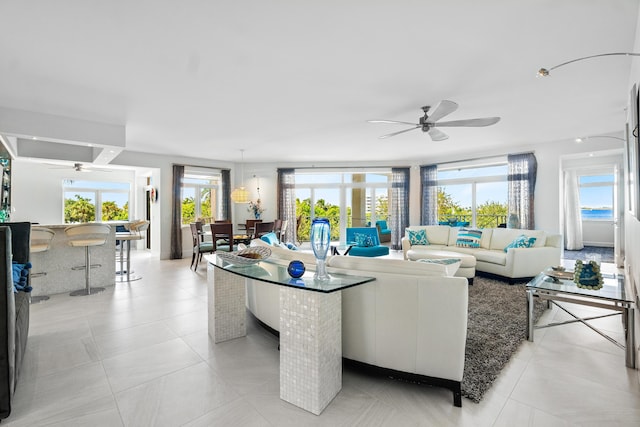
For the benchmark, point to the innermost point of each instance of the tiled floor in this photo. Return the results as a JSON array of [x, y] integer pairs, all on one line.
[[139, 355]]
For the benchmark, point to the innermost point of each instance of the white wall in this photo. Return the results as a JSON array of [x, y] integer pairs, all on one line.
[[631, 224]]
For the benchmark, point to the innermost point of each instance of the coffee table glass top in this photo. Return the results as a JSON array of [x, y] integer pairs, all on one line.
[[277, 274], [612, 287]]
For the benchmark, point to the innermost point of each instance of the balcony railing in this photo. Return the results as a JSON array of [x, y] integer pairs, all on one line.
[[482, 220]]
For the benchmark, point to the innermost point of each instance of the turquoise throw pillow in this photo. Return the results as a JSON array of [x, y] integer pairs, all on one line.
[[521, 241], [363, 240], [20, 273], [469, 238], [417, 237]]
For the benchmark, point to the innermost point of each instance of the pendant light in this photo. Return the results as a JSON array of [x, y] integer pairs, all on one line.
[[240, 194]]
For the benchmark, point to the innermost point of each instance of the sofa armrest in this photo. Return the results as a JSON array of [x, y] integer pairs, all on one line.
[[529, 262], [406, 245]]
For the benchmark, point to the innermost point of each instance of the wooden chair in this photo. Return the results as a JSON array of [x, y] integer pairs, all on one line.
[[199, 245], [277, 227], [263, 228], [250, 227], [222, 236]]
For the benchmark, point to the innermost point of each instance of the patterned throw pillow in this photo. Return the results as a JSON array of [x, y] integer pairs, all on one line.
[[469, 238], [363, 240], [521, 241], [417, 237]]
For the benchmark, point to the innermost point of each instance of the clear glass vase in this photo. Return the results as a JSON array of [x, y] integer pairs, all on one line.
[[320, 242]]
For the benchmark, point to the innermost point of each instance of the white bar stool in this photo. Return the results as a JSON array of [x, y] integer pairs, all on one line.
[[87, 235], [40, 242], [135, 233]]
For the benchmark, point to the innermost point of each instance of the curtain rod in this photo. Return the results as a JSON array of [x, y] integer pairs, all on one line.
[[345, 167], [483, 158], [197, 166]]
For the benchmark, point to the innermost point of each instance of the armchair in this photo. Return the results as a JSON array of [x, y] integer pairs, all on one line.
[[355, 237], [383, 231]]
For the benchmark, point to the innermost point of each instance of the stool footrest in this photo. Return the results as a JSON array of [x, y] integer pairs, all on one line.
[[33, 275], [83, 292], [82, 267]]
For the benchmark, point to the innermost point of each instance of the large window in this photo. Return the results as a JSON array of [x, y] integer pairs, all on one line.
[[348, 199], [473, 196], [596, 197], [86, 201], [201, 195]]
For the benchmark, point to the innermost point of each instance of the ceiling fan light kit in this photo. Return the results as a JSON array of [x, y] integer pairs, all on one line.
[[429, 123]]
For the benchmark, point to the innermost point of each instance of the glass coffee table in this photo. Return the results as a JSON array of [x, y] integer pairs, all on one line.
[[612, 296]]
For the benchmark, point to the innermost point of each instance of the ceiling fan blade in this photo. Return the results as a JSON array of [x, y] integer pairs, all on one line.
[[486, 121], [437, 135], [399, 132], [391, 121], [444, 108]]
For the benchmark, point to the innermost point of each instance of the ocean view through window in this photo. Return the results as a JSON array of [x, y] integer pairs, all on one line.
[[596, 197]]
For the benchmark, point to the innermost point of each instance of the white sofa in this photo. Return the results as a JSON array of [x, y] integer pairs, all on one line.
[[412, 319], [490, 256]]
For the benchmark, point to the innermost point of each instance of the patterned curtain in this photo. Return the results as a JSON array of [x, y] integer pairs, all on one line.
[[399, 205], [225, 208], [287, 202], [522, 184], [429, 195], [176, 213]]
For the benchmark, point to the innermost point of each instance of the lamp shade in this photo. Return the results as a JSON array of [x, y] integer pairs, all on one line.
[[240, 195]]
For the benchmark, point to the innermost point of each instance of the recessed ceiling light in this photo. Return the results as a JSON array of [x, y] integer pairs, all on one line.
[[591, 154], [579, 140], [34, 137], [89, 145]]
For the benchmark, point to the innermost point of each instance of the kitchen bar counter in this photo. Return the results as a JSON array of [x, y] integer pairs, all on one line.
[[60, 258]]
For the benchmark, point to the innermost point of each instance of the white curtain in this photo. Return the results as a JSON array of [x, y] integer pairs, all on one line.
[[572, 214]]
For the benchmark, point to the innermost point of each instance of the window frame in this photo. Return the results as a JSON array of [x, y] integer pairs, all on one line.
[[97, 193]]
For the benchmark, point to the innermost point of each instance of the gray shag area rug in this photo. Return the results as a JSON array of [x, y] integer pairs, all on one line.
[[497, 326]]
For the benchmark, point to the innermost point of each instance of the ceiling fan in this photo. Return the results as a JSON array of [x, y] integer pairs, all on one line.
[[429, 122], [79, 167]]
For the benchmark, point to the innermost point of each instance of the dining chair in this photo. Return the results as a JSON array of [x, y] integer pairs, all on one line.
[[250, 227], [222, 236], [263, 228], [199, 245], [277, 227]]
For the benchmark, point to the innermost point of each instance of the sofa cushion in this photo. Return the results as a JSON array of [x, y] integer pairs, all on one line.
[[521, 241], [417, 237], [493, 257], [366, 266], [469, 238], [501, 237]]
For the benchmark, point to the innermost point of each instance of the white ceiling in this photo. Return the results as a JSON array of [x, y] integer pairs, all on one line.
[[297, 80]]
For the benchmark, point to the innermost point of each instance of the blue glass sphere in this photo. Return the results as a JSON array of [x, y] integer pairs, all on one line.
[[296, 269]]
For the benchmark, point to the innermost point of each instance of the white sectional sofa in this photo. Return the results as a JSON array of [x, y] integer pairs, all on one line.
[[412, 319], [490, 256]]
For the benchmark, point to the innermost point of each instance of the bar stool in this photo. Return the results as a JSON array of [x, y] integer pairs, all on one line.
[[87, 235], [40, 242], [135, 233]]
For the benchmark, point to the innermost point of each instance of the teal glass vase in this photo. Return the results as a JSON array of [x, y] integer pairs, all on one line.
[[320, 242]]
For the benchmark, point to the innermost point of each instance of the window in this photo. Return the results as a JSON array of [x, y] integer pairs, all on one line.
[[348, 199], [201, 195], [473, 196], [596, 197], [86, 201]]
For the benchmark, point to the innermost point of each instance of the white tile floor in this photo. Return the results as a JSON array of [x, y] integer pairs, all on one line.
[[139, 354]]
